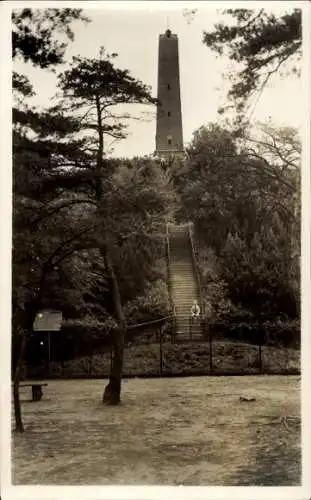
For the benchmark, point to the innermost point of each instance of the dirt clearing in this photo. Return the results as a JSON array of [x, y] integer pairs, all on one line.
[[191, 431]]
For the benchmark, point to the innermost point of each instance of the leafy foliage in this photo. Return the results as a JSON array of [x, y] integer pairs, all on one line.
[[152, 305], [34, 35], [243, 197], [87, 78], [69, 202], [257, 275], [22, 85], [260, 43], [136, 203], [212, 185], [92, 88]]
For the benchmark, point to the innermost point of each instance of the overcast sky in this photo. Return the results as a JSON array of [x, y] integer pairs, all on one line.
[[133, 34]]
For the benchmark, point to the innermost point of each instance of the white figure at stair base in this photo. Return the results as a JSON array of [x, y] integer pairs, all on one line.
[[195, 310]]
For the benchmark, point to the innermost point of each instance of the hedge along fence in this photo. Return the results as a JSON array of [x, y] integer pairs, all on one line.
[[269, 333], [183, 359], [72, 342], [66, 346], [160, 357]]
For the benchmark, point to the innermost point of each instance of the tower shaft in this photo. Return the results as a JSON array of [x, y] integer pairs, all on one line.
[[169, 136]]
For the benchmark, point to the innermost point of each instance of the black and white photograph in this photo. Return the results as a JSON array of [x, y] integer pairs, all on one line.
[[156, 248]]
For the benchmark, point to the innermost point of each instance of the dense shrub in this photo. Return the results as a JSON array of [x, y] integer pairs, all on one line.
[[243, 199], [152, 305], [285, 333], [248, 292], [258, 275]]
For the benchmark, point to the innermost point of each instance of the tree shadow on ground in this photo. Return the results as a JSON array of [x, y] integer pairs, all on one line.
[[277, 461]]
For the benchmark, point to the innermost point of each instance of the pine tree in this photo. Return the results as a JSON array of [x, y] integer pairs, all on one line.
[[261, 44]]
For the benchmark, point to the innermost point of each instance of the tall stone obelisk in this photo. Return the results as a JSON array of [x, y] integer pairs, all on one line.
[[169, 136]]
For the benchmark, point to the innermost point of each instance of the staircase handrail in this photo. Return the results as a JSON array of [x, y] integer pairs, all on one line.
[[169, 320], [168, 264], [195, 268], [153, 322]]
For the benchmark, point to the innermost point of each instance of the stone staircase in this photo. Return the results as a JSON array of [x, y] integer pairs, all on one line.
[[183, 285]]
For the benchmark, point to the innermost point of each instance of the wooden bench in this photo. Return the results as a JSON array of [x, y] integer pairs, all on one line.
[[36, 389]]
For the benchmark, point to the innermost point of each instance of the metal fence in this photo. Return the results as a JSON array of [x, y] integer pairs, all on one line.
[[168, 353], [156, 349]]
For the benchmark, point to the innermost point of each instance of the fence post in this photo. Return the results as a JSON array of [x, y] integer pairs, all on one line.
[[210, 346], [49, 353], [261, 343], [161, 365], [260, 358], [174, 327]]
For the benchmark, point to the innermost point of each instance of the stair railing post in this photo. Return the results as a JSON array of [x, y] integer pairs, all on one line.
[[174, 325]]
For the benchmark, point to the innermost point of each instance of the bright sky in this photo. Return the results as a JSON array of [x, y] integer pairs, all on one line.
[[133, 34]]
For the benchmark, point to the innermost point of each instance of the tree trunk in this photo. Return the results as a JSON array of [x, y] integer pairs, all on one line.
[[112, 392], [113, 389], [27, 321], [17, 375], [100, 154]]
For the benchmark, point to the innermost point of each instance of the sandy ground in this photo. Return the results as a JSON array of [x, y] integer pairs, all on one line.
[[191, 431]]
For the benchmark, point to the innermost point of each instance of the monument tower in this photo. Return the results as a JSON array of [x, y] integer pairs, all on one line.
[[169, 136]]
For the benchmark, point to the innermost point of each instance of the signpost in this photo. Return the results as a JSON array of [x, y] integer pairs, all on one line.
[[48, 320]]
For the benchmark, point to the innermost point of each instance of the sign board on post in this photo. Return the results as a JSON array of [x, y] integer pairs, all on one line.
[[48, 320]]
